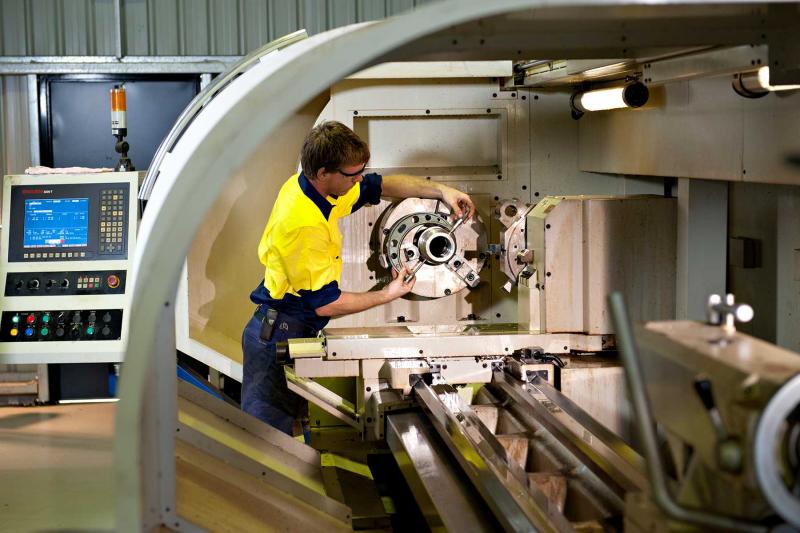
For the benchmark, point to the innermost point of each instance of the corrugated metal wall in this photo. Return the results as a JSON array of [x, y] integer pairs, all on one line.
[[152, 27], [15, 143], [173, 27]]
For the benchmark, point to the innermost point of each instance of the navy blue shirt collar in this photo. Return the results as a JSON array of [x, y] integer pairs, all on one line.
[[308, 189]]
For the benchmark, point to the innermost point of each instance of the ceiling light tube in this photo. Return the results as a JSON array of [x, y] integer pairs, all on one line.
[[756, 84], [631, 95]]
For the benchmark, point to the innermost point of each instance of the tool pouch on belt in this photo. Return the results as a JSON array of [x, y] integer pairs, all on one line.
[[268, 324]]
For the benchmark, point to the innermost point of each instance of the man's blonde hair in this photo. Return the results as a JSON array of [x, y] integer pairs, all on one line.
[[331, 145]]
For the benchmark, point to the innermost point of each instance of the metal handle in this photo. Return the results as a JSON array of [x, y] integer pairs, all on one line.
[[408, 277], [634, 378], [727, 312], [459, 222]]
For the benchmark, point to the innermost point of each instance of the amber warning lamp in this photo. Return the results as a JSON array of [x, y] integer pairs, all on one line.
[[119, 128]]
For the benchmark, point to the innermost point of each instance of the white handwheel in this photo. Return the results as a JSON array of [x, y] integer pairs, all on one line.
[[766, 445]]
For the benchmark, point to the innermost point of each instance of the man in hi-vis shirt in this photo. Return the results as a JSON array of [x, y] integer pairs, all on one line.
[[301, 249]]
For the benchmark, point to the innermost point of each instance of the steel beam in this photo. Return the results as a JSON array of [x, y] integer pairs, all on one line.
[[440, 491], [23, 65]]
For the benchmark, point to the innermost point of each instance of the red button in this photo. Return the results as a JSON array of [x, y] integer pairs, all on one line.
[[112, 281], [31, 318]]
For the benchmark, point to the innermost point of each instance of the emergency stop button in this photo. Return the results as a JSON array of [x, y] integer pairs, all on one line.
[[112, 281]]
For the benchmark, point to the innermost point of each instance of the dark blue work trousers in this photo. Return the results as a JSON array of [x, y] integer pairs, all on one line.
[[264, 391]]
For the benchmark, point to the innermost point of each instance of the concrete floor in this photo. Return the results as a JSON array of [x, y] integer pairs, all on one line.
[[56, 468]]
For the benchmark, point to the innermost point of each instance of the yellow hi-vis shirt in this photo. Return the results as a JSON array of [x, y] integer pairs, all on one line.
[[301, 247]]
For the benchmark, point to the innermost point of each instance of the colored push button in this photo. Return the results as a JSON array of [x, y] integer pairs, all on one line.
[[30, 319], [112, 281], [44, 332], [46, 318], [15, 319], [29, 332], [90, 330], [14, 332]]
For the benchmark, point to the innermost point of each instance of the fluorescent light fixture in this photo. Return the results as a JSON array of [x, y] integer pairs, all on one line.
[[763, 81], [601, 100], [756, 84], [631, 95], [88, 400]]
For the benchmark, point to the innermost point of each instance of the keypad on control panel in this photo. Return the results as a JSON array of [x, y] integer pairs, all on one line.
[[112, 219], [89, 282]]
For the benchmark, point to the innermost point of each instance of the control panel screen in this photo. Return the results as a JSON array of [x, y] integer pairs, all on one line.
[[69, 222], [61, 223]]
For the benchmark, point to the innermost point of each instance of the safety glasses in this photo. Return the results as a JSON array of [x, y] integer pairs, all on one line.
[[353, 174]]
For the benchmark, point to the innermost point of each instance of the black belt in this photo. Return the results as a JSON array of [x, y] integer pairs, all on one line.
[[272, 320]]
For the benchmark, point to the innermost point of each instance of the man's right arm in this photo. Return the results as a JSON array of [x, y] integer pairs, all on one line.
[[355, 302]]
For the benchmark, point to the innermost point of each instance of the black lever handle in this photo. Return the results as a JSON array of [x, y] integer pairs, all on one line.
[[282, 353], [729, 450], [703, 388]]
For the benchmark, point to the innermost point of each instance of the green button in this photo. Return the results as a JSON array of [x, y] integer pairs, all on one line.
[[44, 332], [90, 330], [46, 319], [15, 319]]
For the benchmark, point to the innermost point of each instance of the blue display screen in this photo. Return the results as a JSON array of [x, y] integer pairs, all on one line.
[[57, 223]]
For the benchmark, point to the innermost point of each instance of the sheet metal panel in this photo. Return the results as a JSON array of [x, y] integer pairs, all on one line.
[[753, 214], [770, 135], [371, 10], [15, 154], [313, 15], [224, 29], [79, 28], [194, 34], [57, 27], [341, 13], [44, 19], [699, 129], [555, 149], [253, 24], [103, 28], [283, 18], [788, 274], [698, 125], [166, 26], [173, 27], [3, 169], [137, 36], [13, 34]]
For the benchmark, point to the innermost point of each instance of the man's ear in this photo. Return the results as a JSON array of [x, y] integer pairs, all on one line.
[[321, 173]]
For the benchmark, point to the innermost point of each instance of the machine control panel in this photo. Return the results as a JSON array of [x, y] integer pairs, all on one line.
[[61, 325], [65, 254], [68, 222], [65, 283]]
